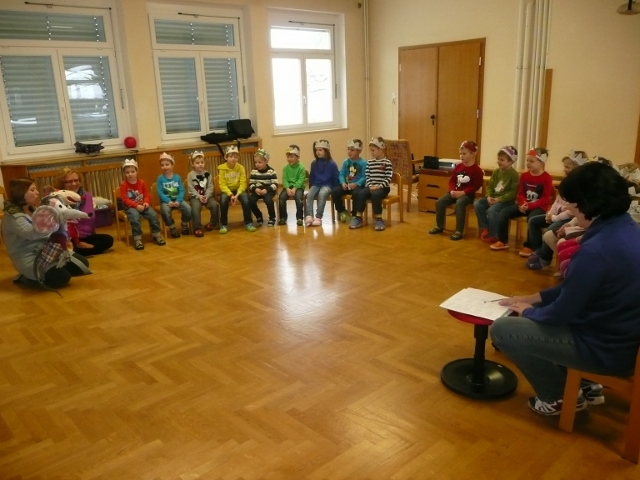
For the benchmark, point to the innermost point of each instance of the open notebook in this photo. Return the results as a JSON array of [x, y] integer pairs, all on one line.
[[477, 302]]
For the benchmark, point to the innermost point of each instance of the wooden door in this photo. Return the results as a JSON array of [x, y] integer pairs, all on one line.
[[459, 93], [442, 81], [418, 83]]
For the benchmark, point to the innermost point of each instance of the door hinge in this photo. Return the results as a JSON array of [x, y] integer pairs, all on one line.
[[479, 61], [477, 113]]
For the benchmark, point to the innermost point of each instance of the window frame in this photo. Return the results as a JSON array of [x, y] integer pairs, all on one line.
[[199, 53], [289, 18], [57, 50]]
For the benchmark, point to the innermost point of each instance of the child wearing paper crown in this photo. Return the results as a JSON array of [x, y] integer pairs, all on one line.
[[200, 184], [351, 177], [501, 192], [464, 182], [378, 175], [135, 199], [233, 188], [557, 216], [322, 178], [263, 184], [171, 193], [533, 197], [294, 176]]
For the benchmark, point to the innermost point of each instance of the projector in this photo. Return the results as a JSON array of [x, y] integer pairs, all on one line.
[[449, 162]]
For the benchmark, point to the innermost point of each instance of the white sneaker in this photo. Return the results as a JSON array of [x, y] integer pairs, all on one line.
[[308, 221]]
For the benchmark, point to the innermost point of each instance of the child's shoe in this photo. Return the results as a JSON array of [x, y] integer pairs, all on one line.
[[316, 222], [379, 225], [539, 265], [209, 227], [343, 217], [299, 222], [174, 232], [356, 222], [223, 230], [282, 221], [271, 222], [525, 252], [308, 220], [484, 233], [435, 230], [185, 229], [198, 233], [533, 258], [259, 221], [593, 393], [499, 246], [554, 408], [456, 236], [250, 227], [138, 245], [159, 241]]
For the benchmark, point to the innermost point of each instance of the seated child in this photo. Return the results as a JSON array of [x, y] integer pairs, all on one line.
[[464, 182], [322, 178], [200, 184], [171, 193], [233, 186], [351, 177], [294, 176], [135, 199], [263, 184], [533, 197], [557, 216], [501, 192], [378, 175]]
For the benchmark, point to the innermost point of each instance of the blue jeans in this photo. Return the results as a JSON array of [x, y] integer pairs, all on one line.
[[506, 214], [542, 352], [243, 198], [134, 219], [488, 215], [185, 213], [322, 193], [196, 211], [461, 209], [282, 203], [268, 201]]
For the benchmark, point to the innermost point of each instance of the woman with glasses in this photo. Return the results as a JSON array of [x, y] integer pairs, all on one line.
[[90, 242]]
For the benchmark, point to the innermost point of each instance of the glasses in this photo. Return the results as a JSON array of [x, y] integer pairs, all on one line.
[[75, 180]]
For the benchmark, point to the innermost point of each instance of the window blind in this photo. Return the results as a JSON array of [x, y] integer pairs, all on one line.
[[32, 100], [17, 25], [179, 94], [174, 32], [222, 91]]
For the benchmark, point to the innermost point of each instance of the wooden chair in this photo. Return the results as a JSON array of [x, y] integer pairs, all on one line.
[[390, 200], [629, 386], [121, 216], [399, 154], [4, 198]]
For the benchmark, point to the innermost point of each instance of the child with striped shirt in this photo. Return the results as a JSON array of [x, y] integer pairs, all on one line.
[[263, 184], [378, 175]]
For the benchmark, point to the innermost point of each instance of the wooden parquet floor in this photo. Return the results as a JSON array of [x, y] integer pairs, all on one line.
[[288, 353]]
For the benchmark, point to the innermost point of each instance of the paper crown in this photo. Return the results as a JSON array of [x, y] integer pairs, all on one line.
[[321, 144], [196, 154], [293, 151], [129, 162], [357, 144], [511, 152], [378, 142], [578, 158], [230, 149], [263, 153], [543, 157], [166, 156], [469, 145]]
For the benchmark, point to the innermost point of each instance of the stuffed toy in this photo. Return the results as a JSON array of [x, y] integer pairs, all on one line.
[[70, 199], [53, 217]]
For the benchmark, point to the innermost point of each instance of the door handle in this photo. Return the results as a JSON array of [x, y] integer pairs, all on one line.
[[433, 119]]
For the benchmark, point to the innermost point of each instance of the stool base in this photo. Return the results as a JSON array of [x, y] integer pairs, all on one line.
[[499, 381]]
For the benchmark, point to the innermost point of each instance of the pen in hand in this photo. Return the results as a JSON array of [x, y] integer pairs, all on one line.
[[496, 300]]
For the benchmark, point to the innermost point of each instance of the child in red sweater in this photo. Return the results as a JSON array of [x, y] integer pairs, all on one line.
[[464, 182], [135, 199], [533, 198]]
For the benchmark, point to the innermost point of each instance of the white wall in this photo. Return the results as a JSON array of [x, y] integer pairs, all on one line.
[[593, 52]]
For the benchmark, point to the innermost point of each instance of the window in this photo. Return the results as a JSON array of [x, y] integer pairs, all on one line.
[[198, 61], [58, 67], [305, 68]]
